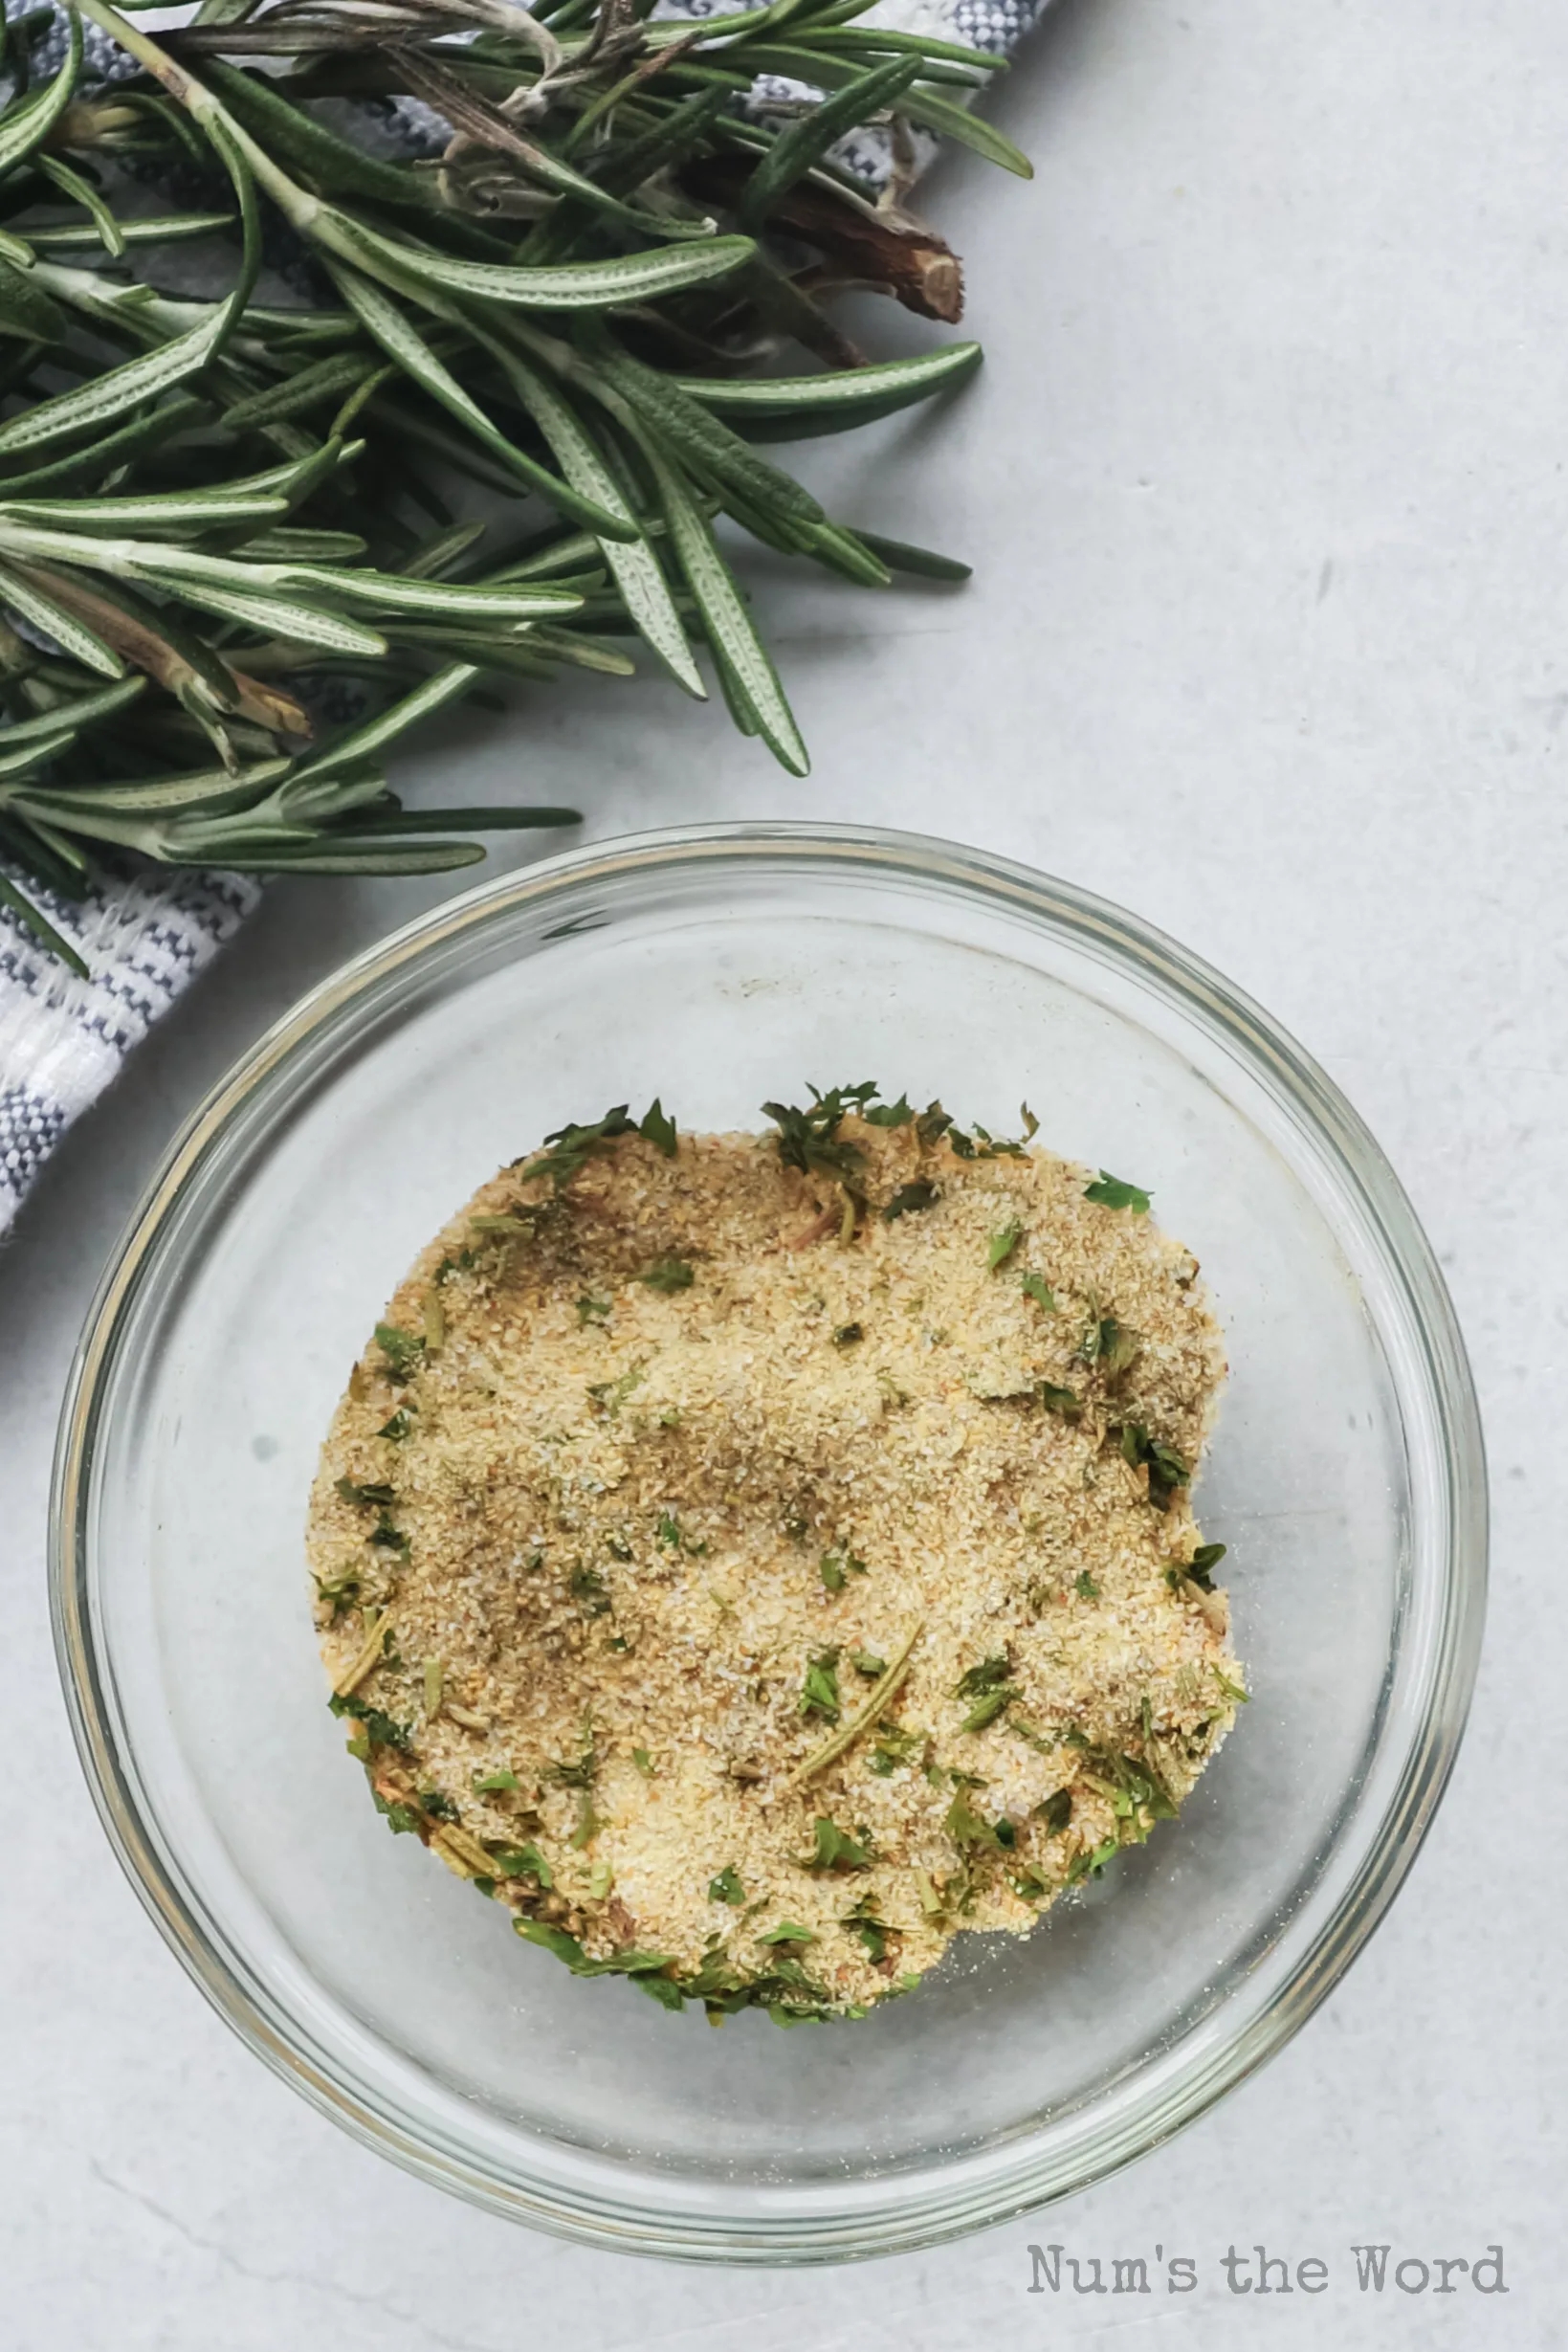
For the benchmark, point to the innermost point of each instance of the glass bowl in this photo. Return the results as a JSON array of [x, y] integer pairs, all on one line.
[[716, 967]]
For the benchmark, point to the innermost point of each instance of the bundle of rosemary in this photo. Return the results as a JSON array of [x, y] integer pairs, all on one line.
[[571, 303]]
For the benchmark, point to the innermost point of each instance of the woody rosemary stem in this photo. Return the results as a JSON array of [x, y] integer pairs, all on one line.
[[199, 102]]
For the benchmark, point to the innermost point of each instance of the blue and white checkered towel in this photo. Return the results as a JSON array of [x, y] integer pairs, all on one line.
[[144, 937]]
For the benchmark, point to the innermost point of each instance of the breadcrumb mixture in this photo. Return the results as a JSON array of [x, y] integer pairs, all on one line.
[[755, 1559]]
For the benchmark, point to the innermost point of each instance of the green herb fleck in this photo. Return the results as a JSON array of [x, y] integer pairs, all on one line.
[[587, 1590], [1056, 1812], [399, 1425], [644, 1761], [401, 1818], [1035, 1286], [1167, 1468], [1085, 1586], [610, 1395], [1088, 1865], [588, 1822], [668, 1530], [977, 1680], [380, 1730], [865, 1663], [1110, 1345], [657, 1129], [846, 1335], [1112, 1193], [810, 1139], [835, 1850], [1001, 1245], [438, 1804], [888, 1114], [591, 1310], [378, 1496], [892, 1747], [966, 1827], [523, 1862], [668, 1274], [726, 1888], [787, 1932], [485, 1783], [834, 1566], [819, 1692], [986, 1710], [570, 1149], [339, 1592], [1232, 1690], [568, 1948], [583, 1772], [404, 1350], [909, 1198], [1065, 1403], [873, 1931]]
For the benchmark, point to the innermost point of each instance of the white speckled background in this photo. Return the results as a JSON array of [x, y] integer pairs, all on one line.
[[1265, 483]]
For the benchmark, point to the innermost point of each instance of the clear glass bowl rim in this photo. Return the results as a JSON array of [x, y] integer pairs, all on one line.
[[897, 2215]]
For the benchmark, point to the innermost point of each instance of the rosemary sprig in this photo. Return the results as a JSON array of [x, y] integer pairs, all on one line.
[[211, 510]]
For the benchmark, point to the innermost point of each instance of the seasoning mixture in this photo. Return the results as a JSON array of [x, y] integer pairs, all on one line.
[[755, 1559]]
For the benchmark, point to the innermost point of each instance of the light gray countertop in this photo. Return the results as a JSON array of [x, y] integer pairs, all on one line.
[[1264, 481]]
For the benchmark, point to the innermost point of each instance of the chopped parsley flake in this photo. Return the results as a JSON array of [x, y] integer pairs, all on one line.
[[833, 1568], [573, 1147], [909, 1199], [966, 1827], [404, 1350], [1085, 1586], [726, 1888], [380, 1730], [810, 1139], [1035, 1286], [587, 1590], [380, 1496], [988, 1675], [835, 1850], [1110, 1345], [659, 1130], [1001, 1245], [668, 1274], [819, 1692], [1112, 1193], [986, 1710], [892, 1747], [1167, 1468]]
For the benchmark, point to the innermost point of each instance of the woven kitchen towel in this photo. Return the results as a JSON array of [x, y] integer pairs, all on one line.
[[144, 937]]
